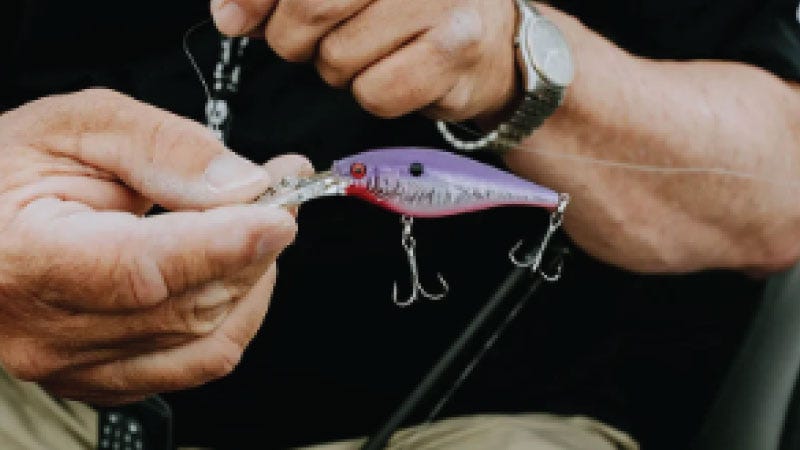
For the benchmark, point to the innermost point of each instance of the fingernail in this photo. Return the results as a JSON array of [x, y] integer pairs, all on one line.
[[229, 16], [229, 171]]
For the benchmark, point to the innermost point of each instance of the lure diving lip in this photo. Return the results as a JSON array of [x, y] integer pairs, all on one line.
[[416, 182]]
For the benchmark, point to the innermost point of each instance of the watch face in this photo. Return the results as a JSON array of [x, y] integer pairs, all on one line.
[[550, 53]]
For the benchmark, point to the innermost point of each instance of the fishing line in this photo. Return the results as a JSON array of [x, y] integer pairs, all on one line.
[[646, 168], [192, 59]]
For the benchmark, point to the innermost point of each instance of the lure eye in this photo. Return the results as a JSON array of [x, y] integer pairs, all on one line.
[[416, 169], [358, 170]]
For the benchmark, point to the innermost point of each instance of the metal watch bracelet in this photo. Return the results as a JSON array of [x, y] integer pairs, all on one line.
[[532, 111]]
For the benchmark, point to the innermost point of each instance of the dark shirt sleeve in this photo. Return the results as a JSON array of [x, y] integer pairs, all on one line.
[[765, 33], [770, 39]]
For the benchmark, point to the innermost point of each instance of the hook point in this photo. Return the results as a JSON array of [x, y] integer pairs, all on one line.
[[513, 257], [445, 289], [402, 303]]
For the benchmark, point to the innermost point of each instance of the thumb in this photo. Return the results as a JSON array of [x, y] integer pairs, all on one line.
[[170, 160]]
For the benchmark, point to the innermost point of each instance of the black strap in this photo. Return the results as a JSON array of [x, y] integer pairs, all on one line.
[[224, 86], [146, 425]]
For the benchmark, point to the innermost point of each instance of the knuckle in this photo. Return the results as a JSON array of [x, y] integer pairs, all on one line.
[[373, 103], [331, 76], [203, 321], [167, 132], [320, 12], [332, 62], [143, 282], [99, 107], [286, 49], [460, 34], [103, 104], [455, 105], [199, 312]]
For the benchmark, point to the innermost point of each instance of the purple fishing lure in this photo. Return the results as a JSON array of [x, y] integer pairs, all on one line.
[[422, 182]]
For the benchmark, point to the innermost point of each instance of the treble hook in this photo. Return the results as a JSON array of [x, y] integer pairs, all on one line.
[[410, 246], [533, 263]]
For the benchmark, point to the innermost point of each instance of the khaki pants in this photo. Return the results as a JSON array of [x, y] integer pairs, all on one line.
[[32, 419], [506, 432]]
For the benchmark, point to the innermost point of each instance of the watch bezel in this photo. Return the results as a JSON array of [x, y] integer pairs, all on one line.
[[530, 17]]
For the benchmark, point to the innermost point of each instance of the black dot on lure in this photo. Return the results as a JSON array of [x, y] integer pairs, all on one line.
[[416, 169]]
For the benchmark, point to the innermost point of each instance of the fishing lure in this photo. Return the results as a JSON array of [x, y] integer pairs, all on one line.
[[424, 183]]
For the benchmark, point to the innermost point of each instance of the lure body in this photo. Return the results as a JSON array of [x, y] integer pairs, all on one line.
[[421, 182]]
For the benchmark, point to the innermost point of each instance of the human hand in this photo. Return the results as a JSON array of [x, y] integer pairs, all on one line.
[[100, 304], [453, 59]]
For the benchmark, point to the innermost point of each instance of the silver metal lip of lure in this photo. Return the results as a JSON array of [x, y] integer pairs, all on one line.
[[293, 191]]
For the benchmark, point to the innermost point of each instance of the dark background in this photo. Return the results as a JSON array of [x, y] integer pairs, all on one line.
[[334, 356]]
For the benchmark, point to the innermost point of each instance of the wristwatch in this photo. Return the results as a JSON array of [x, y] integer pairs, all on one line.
[[547, 69]]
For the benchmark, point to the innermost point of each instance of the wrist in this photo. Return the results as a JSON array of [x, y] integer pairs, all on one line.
[[492, 118], [544, 69]]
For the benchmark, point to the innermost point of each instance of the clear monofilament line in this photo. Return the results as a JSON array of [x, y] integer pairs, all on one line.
[[650, 168], [187, 51]]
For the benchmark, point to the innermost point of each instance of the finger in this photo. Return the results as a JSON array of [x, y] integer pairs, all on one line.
[[412, 78], [289, 166], [171, 160], [196, 312], [375, 32], [296, 26], [97, 194], [239, 17], [198, 362], [106, 339], [92, 261], [235, 238], [244, 321]]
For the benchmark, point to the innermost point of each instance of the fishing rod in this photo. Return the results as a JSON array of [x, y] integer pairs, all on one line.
[[447, 361]]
